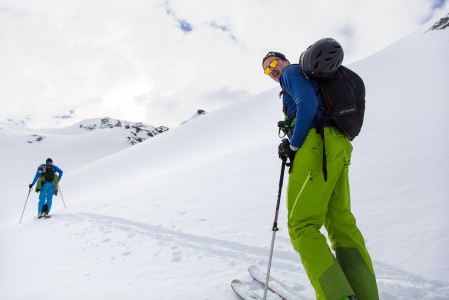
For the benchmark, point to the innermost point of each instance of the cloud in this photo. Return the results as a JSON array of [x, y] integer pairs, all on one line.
[[160, 61]]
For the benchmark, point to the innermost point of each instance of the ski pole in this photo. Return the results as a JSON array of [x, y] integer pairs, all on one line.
[[61, 196], [25, 206], [274, 229]]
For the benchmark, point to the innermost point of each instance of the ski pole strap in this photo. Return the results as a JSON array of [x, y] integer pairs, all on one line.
[[279, 133], [287, 124]]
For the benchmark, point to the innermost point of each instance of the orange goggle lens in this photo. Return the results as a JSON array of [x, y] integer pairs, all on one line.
[[273, 64]]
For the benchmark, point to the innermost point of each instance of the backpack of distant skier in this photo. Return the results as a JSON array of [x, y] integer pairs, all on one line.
[[48, 172], [342, 90]]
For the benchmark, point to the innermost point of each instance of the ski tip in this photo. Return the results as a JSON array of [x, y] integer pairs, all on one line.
[[253, 267]]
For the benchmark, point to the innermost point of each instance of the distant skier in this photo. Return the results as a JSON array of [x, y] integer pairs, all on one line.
[[312, 201], [47, 184]]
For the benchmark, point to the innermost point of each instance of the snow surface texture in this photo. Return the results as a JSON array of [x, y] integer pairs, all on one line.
[[181, 215]]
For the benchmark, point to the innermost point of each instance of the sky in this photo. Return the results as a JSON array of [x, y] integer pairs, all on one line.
[[160, 61]]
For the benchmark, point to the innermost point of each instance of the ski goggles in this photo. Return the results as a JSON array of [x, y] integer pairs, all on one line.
[[273, 64]]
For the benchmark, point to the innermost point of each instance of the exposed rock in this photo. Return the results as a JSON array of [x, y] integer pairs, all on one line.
[[36, 138], [441, 24], [137, 132], [198, 113]]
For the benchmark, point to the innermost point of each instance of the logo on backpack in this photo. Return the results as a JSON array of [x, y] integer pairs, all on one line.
[[342, 90], [48, 172]]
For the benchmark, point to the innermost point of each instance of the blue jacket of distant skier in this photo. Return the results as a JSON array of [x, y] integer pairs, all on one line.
[[300, 98], [39, 172]]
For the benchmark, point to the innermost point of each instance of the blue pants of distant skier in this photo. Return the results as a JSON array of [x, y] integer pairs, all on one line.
[[46, 196]]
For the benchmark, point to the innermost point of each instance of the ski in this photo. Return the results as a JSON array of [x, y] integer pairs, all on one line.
[[43, 217], [273, 284], [243, 290], [250, 292]]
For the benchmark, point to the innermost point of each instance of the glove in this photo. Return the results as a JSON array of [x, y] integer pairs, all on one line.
[[30, 186], [285, 151], [288, 122]]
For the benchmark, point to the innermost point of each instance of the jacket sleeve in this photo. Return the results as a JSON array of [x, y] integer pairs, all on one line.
[[59, 171], [36, 177], [301, 90], [289, 104]]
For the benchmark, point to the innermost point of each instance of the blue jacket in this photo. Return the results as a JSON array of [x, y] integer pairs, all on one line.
[[39, 172], [300, 98]]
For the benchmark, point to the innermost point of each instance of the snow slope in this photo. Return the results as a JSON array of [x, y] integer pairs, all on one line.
[[23, 149], [181, 215]]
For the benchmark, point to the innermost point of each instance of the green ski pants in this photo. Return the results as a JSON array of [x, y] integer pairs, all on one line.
[[312, 203]]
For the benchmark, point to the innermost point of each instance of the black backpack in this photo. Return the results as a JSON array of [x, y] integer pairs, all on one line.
[[48, 172], [341, 89], [344, 97]]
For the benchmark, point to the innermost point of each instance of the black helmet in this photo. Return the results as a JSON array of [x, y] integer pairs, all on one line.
[[49, 160], [322, 58]]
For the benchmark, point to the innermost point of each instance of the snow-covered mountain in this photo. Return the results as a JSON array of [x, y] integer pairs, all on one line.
[[23, 149], [133, 132], [136, 132], [441, 24], [179, 216]]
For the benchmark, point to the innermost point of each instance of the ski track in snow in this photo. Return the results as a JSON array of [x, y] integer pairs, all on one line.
[[393, 283], [223, 248]]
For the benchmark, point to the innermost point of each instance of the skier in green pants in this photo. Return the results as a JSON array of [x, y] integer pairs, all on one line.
[[312, 201]]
